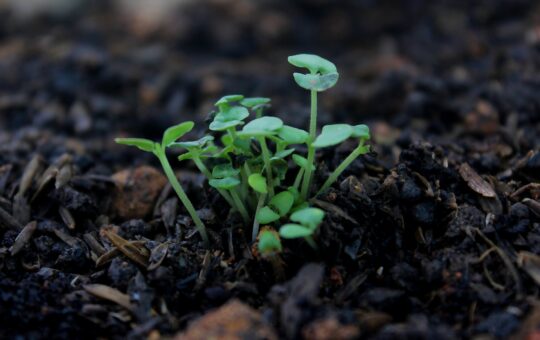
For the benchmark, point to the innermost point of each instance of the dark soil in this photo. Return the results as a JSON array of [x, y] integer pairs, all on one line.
[[435, 234]]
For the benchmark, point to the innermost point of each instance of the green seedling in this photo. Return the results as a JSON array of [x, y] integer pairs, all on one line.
[[308, 219], [248, 156], [322, 76], [169, 137]]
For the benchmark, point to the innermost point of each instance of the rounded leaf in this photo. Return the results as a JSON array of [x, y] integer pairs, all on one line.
[[233, 113], [266, 215], [313, 63], [282, 154], [361, 131], [220, 126], [309, 217], [254, 101], [224, 183], [292, 230], [333, 134], [263, 126], [316, 82], [174, 132], [141, 143], [231, 98], [292, 135], [258, 183], [282, 202]]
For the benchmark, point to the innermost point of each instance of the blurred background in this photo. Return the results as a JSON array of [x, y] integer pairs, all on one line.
[[76, 73]]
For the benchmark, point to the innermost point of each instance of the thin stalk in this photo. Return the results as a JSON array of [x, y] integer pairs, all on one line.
[[359, 150], [255, 230], [258, 112], [267, 165], [182, 195], [239, 205], [298, 178], [311, 150], [202, 168]]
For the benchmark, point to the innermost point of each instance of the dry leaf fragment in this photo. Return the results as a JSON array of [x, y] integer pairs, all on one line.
[[475, 182], [24, 236], [136, 253], [110, 294]]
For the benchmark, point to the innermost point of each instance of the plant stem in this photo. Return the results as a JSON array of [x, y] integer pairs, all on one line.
[[202, 168], [298, 178], [258, 112], [255, 231], [160, 153], [311, 150], [267, 165], [239, 205], [359, 150]]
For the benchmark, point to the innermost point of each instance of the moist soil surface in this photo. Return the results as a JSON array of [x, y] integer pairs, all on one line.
[[434, 234]]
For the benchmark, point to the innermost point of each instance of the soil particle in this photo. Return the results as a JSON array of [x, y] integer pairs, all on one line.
[[330, 329], [234, 321], [136, 191]]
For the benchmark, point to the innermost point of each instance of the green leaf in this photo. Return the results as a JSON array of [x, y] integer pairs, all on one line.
[[309, 217], [263, 126], [282, 202], [361, 131], [282, 154], [220, 126], [174, 132], [258, 183], [302, 162], [269, 242], [266, 215], [224, 170], [313, 63], [195, 144], [292, 135], [229, 99], [316, 82], [185, 156], [254, 101], [233, 113], [224, 183], [141, 143], [333, 134], [292, 230]]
